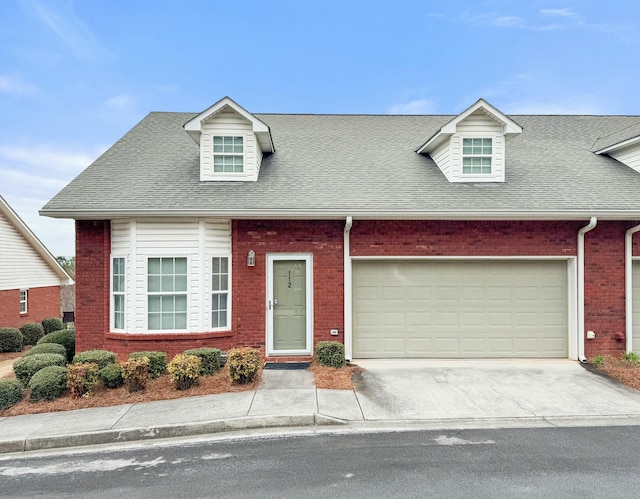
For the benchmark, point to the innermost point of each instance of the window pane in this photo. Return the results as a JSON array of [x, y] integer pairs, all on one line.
[[224, 265], [180, 303], [155, 303], [224, 285], [154, 321], [167, 265], [180, 283], [167, 283], [153, 283], [181, 266], [180, 321], [154, 265]]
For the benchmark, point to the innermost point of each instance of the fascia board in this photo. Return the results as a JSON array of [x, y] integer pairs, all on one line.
[[620, 145]]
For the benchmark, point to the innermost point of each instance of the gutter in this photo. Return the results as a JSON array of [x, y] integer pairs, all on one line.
[[628, 283], [590, 226], [348, 313]]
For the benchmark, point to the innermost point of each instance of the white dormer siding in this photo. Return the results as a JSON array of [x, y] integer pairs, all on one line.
[[629, 156], [484, 130], [229, 124]]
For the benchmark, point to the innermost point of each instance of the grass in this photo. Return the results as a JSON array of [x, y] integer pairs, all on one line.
[[162, 389]]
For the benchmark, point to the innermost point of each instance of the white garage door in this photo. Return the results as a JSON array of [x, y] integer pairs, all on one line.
[[460, 309], [635, 318]]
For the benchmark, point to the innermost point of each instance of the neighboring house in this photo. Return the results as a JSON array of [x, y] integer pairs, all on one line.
[[30, 277], [479, 235]]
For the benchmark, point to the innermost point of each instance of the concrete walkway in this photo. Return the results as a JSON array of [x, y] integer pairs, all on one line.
[[389, 395]]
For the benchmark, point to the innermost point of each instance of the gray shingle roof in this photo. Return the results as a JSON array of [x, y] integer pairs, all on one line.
[[357, 165], [630, 132]]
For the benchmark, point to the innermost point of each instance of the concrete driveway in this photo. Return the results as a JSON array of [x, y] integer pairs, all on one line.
[[492, 389]]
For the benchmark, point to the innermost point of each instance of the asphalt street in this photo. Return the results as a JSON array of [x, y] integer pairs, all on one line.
[[537, 462]]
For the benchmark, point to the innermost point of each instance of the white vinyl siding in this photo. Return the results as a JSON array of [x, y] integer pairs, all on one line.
[[229, 124], [460, 308], [197, 240], [629, 156], [24, 295], [22, 267]]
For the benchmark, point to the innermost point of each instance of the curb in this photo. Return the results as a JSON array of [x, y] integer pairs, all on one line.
[[168, 431]]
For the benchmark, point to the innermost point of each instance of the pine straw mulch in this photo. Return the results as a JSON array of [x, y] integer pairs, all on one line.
[[162, 389], [624, 371]]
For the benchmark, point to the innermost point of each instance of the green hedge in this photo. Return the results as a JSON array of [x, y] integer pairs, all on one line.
[[111, 376], [48, 383], [52, 324], [26, 367], [11, 340], [100, 357], [47, 348], [10, 393], [157, 362], [330, 353], [66, 337], [32, 333], [210, 357]]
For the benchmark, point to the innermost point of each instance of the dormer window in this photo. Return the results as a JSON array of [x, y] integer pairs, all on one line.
[[476, 156], [228, 154]]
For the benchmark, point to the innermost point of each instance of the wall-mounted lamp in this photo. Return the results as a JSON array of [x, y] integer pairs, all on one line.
[[251, 259]]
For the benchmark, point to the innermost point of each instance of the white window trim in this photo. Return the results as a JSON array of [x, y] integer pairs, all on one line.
[[243, 173], [187, 293], [25, 301], [227, 327], [112, 314]]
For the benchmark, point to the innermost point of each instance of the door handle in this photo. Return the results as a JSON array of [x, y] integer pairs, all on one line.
[[272, 304]]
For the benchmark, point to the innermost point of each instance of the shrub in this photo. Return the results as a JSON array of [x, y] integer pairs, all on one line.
[[135, 373], [185, 370], [26, 367], [631, 357], [111, 376], [32, 333], [330, 353], [157, 362], [597, 361], [210, 357], [244, 364], [82, 378], [100, 357], [52, 324], [10, 393], [11, 340], [66, 337], [47, 348], [48, 383]]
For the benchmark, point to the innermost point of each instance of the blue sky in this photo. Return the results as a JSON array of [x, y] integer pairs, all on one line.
[[77, 75]]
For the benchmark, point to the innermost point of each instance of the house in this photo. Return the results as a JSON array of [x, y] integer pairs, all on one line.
[[479, 235], [30, 277]]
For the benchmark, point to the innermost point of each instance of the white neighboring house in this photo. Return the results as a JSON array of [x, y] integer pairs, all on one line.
[[31, 278]]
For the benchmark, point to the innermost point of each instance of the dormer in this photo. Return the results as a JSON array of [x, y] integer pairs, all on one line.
[[232, 142], [471, 147], [623, 145]]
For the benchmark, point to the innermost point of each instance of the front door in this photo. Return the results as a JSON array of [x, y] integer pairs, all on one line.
[[289, 304]]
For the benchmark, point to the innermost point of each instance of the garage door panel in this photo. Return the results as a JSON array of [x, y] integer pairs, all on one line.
[[460, 308]]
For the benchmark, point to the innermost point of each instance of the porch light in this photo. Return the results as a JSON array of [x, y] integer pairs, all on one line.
[[251, 259]]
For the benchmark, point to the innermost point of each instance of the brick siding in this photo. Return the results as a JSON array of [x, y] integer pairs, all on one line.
[[42, 303]]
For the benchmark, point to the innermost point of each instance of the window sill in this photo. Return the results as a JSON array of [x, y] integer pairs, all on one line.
[[168, 336]]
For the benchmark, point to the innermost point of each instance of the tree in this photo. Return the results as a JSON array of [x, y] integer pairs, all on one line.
[[68, 264]]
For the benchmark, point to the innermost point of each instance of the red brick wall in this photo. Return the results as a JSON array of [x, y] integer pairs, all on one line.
[[42, 303], [323, 239], [93, 249]]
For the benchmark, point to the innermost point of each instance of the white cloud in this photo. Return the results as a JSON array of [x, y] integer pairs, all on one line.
[[47, 158], [14, 84], [418, 106], [508, 21], [120, 102], [558, 12]]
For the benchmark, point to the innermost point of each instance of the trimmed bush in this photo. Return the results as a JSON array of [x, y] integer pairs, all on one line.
[[111, 376], [10, 393], [135, 373], [157, 362], [47, 348], [100, 357], [26, 367], [185, 370], [48, 383], [82, 378], [32, 333], [244, 364], [52, 324], [66, 337], [11, 340], [330, 353], [210, 357]]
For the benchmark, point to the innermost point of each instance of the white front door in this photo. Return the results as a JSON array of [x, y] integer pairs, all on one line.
[[289, 304]]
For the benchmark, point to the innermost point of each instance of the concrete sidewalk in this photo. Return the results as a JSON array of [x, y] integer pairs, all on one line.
[[388, 395]]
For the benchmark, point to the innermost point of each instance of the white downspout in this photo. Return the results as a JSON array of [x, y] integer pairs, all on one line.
[[590, 226], [628, 285], [348, 317]]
